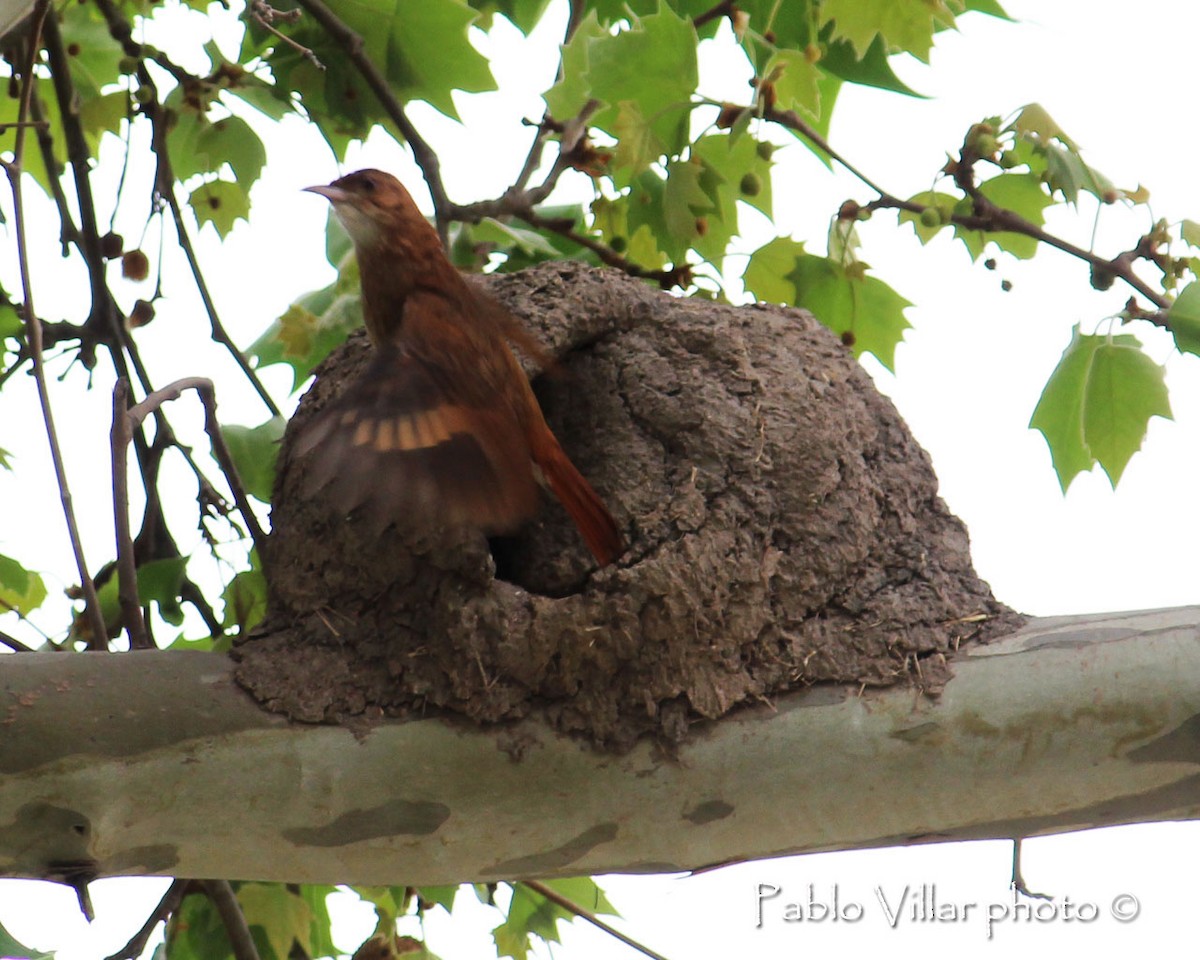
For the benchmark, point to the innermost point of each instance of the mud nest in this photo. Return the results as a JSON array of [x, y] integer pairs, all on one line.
[[784, 530]]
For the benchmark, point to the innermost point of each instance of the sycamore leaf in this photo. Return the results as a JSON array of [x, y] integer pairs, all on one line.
[[768, 272], [872, 69], [11, 324], [853, 305], [283, 917], [220, 203], [197, 145], [566, 98], [1097, 403], [254, 450], [637, 144], [1189, 230], [245, 600], [158, 581], [5, 459], [653, 65], [1033, 119], [907, 25], [865, 311], [12, 948], [942, 204], [1183, 319], [797, 82], [441, 896], [20, 589]]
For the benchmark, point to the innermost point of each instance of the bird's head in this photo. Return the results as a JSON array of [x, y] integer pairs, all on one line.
[[372, 205]]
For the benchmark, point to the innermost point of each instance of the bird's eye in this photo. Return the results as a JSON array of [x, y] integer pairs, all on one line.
[[368, 184]]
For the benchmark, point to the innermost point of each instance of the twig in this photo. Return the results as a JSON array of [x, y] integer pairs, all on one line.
[[204, 389], [33, 335], [220, 892], [127, 585], [423, 153], [1018, 879], [264, 15], [219, 333], [166, 906], [14, 644], [572, 907], [987, 216]]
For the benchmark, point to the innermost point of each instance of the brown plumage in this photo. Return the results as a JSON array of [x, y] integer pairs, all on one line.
[[444, 421]]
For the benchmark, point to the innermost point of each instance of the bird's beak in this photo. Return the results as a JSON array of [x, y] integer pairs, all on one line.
[[331, 193]]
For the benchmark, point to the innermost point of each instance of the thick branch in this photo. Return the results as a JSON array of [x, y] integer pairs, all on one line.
[[1073, 722]]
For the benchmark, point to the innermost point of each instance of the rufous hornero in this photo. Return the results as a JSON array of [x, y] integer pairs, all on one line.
[[443, 423]]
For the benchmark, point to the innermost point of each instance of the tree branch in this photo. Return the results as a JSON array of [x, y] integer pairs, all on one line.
[[1106, 712]]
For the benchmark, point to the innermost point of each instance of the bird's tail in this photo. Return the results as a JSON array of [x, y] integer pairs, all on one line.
[[591, 516]]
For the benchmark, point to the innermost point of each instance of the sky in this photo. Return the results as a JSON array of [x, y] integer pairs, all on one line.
[[968, 376]]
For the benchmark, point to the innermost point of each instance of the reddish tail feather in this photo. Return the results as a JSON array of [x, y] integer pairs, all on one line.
[[591, 516]]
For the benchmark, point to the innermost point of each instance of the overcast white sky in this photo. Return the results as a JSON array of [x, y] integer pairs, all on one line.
[[1119, 81]]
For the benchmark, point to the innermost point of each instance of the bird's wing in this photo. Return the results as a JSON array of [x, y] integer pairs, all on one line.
[[423, 432]]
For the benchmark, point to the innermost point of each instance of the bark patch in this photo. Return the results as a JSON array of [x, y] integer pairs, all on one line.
[[784, 530]]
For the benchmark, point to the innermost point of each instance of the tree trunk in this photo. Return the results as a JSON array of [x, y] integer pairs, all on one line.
[[158, 763]]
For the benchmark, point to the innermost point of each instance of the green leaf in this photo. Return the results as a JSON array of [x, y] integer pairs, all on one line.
[[92, 53], [1033, 120], [907, 25], [196, 145], [220, 203], [1183, 319], [532, 915], [653, 65], [12, 948], [768, 272], [1097, 403], [796, 82], [245, 599], [872, 69], [943, 203], [442, 896], [11, 324], [852, 304], [637, 144], [320, 940], [1189, 230], [566, 98], [254, 451], [195, 931], [161, 581], [5, 459], [1022, 193], [507, 237], [283, 917], [522, 14], [20, 589]]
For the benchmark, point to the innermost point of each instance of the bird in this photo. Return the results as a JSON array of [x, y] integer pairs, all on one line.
[[443, 422]]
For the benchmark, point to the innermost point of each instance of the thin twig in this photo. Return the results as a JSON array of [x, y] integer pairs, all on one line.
[[127, 585], [220, 892], [987, 216], [676, 276], [204, 389], [219, 333], [33, 336], [166, 906], [572, 907], [14, 644]]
